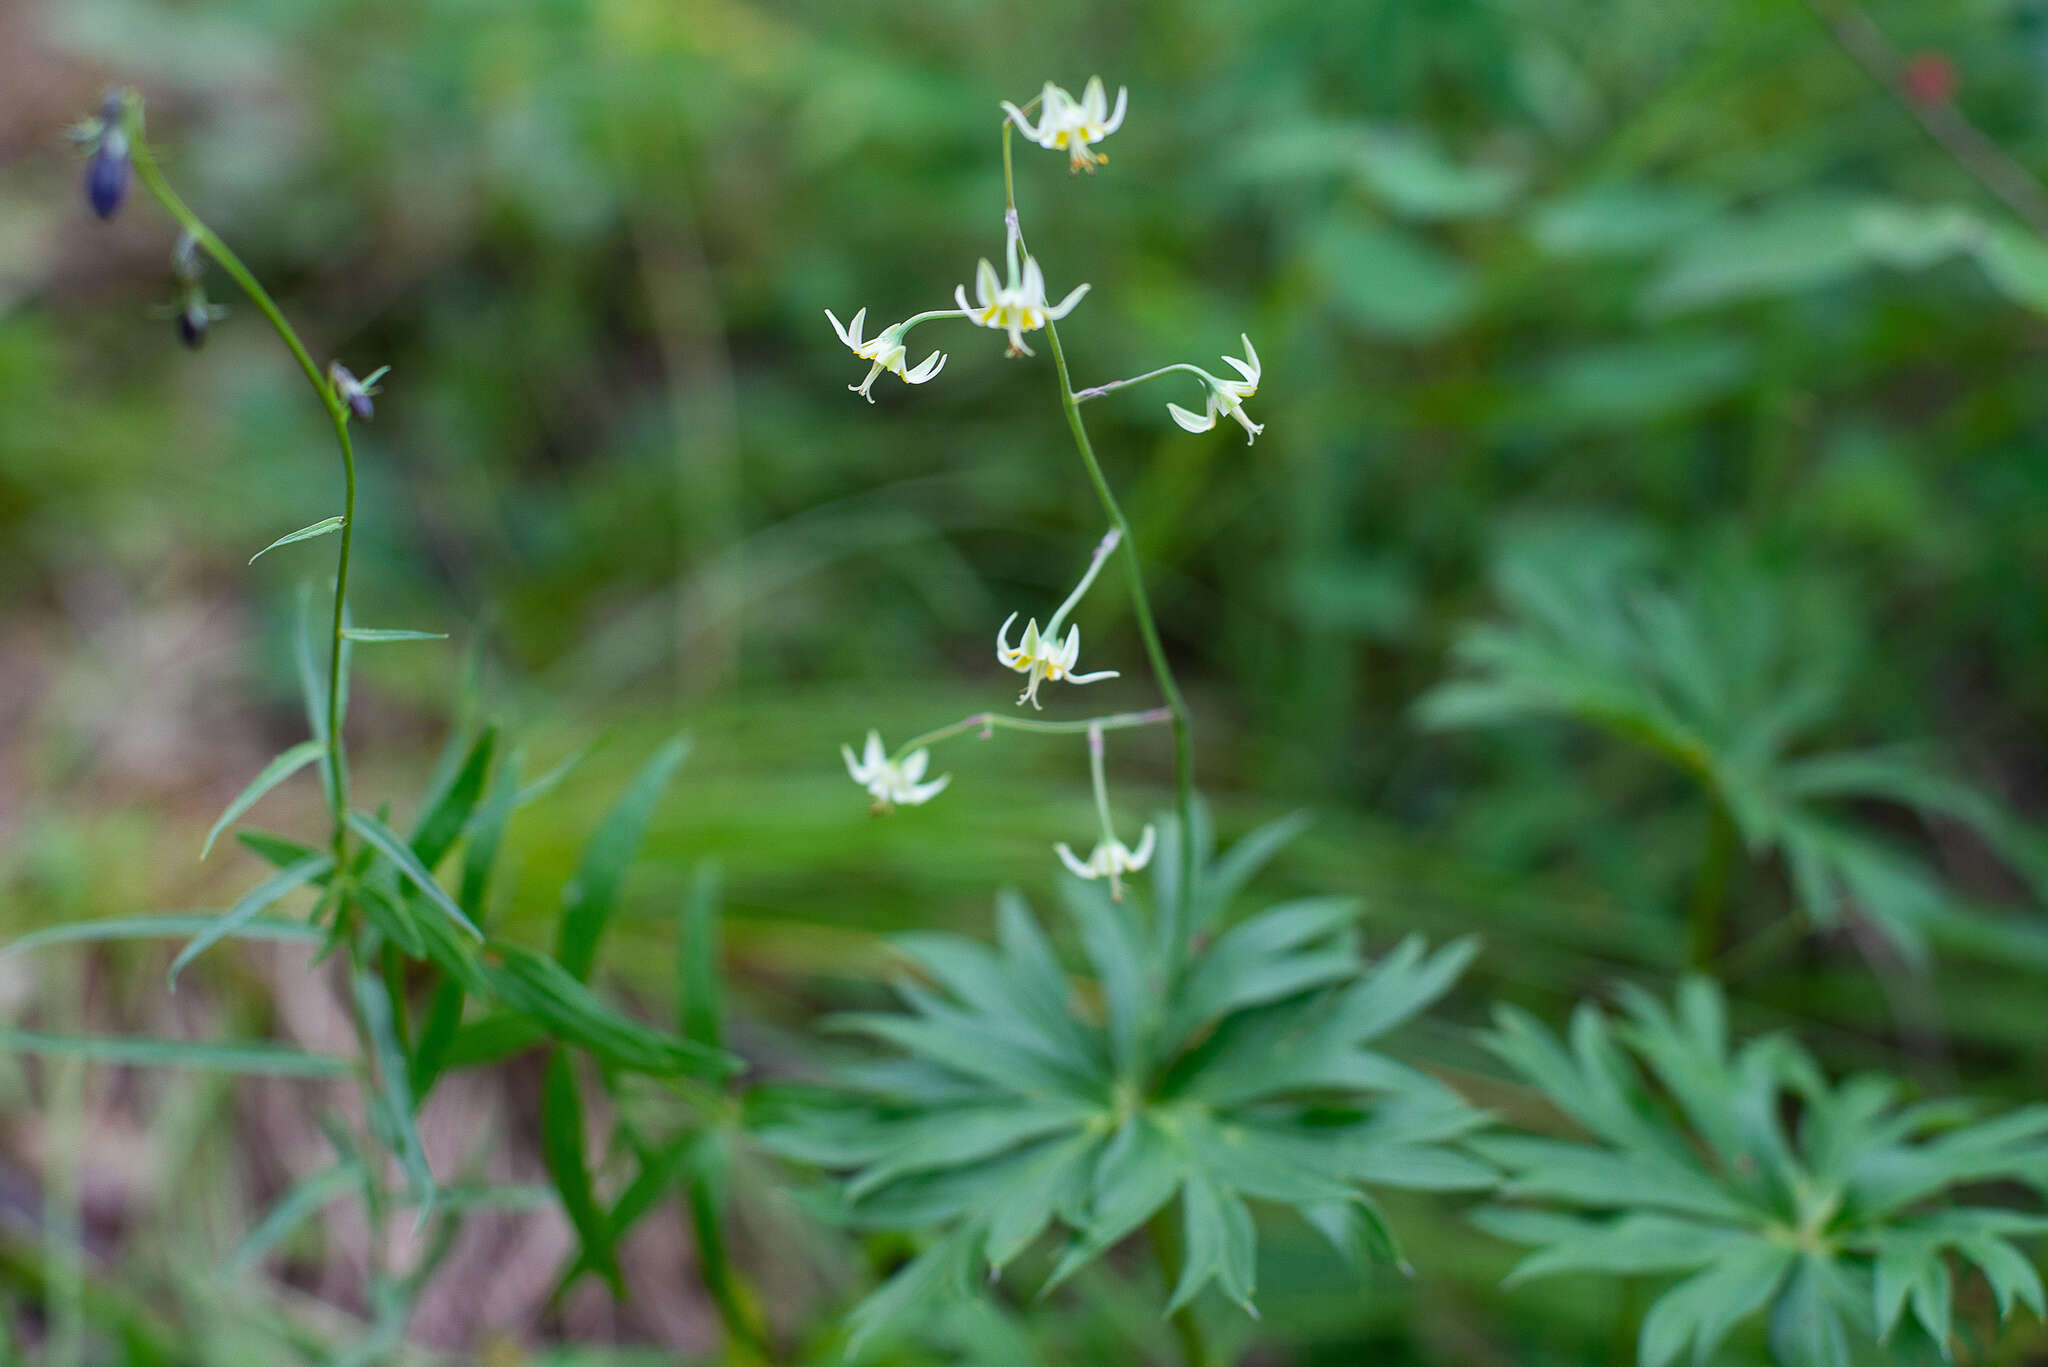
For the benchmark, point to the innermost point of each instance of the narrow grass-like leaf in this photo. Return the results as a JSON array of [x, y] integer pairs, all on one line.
[[258, 899], [392, 1104], [386, 842], [537, 987], [274, 773], [487, 833], [170, 927], [444, 818], [561, 1133], [313, 691], [593, 892], [378, 635], [292, 1209], [437, 1032], [702, 1012], [307, 533], [255, 1059]]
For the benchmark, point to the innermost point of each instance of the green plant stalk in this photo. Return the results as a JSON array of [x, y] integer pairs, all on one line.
[[738, 1305], [1708, 905], [1155, 653], [208, 241], [1001, 721]]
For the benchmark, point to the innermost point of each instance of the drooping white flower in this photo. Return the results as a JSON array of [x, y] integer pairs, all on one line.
[[1017, 307], [1110, 859], [893, 783], [1075, 125], [886, 350], [1043, 656], [1226, 396]]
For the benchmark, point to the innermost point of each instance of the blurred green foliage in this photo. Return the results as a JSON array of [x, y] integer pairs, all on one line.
[[1677, 277]]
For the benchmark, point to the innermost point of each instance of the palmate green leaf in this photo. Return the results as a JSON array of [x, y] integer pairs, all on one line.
[[1025, 1104], [306, 533], [593, 893], [1839, 1224], [277, 771], [256, 1059]]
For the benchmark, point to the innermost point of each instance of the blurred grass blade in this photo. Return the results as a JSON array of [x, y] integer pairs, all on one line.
[[292, 1209], [702, 1011], [593, 892], [445, 817], [392, 1103], [272, 848], [374, 635], [386, 842], [552, 779], [258, 899], [537, 987], [171, 927], [141, 1052], [313, 691], [561, 1132], [480, 855], [437, 1032], [320, 528], [274, 773]]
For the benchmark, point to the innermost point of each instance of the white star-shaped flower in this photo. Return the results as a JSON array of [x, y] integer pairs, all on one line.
[[893, 783], [886, 350], [1017, 307], [1076, 125], [1043, 657], [1226, 396], [1109, 859]]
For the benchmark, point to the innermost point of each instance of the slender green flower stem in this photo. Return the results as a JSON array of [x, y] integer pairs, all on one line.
[[1097, 391], [1000, 721], [152, 178], [1141, 608]]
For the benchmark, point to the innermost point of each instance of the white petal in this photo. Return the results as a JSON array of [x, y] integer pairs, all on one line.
[[1141, 856], [852, 768], [1016, 116], [1066, 305], [1250, 373], [1033, 284], [1193, 422], [986, 286], [930, 366], [840, 328], [1250, 355], [1251, 429], [1097, 677], [914, 764], [1071, 651], [1003, 651], [1094, 100], [919, 794], [875, 756], [1079, 869], [1116, 118]]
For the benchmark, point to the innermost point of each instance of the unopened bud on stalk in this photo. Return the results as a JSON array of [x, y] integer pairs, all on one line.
[[106, 174], [353, 392], [193, 320]]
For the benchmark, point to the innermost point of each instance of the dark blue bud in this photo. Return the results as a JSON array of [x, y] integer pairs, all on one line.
[[106, 175], [193, 320], [359, 404]]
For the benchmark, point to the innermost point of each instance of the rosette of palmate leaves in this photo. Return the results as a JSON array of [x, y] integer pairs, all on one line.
[[1826, 1211], [1729, 672], [1027, 1102]]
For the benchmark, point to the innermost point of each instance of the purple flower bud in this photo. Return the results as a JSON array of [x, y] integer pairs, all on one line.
[[353, 392], [193, 320], [106, 175]]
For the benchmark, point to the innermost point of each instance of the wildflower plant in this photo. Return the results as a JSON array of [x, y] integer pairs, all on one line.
[[1828, 1210], [1210, 1064], [404, 925]]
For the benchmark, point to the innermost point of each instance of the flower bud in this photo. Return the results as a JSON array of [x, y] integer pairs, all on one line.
[[353, 392], [106, 174], [193, 320]]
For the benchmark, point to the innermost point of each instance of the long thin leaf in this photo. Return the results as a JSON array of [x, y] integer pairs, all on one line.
[[306, 533], [591, 895], [291, 1210], [444, 819], [387, 843], [274, 773], [377, 635], [258, 899], [702, 1012], [168, 927], [264, 1059], [561, 1130], [393, 1101]]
